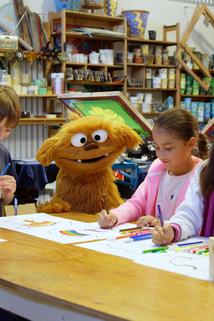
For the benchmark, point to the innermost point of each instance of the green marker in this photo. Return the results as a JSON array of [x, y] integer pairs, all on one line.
[[156, 249]]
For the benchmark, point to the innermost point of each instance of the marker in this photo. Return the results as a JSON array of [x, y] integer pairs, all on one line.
[[4, 171], [141, 235], [130, 229], [190, 243], [123, 236], [15, 205], [156, 249], [160, 215], [139, 238]]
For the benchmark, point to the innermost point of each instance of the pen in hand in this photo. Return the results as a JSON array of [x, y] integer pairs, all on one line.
[[160, 215], [4, 171]]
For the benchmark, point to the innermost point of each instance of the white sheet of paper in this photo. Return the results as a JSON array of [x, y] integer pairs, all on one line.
[[58, 229], [181, 262]]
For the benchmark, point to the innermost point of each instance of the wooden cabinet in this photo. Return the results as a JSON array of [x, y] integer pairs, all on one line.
[[81, 35]]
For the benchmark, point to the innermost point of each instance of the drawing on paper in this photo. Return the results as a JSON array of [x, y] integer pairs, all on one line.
[[33, 223], [72, 233]]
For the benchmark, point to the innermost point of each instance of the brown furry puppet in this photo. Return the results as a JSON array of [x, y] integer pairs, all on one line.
[[84, 150]]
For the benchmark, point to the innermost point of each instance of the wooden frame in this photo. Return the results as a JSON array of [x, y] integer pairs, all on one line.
[[133, 117], [199, 11]]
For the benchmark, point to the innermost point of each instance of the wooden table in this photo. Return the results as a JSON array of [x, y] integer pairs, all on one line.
[[43, 280]]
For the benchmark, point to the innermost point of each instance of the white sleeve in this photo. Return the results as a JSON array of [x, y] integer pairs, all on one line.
[[189, 215]]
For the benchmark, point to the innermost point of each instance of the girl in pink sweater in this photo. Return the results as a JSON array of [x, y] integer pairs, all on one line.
[[175, 135]]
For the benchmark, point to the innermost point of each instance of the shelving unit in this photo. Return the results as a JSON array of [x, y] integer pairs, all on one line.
[[32, 130], [196, 99], [137, 71], [68, 31]]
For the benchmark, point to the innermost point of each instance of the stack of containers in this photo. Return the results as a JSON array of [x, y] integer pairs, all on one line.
[[183, 83], [200, 110], [171, 78], [189, 80], [147, 104], [148, 78], [57, 83], [163, 77], [158, 55]]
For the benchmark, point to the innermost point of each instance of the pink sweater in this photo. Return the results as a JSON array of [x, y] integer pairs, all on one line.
[[143, 201]]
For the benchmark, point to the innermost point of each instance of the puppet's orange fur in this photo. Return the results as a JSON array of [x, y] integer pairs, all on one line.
[[85, 171]]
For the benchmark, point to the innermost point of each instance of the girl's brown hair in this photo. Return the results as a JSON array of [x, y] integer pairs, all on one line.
[[9, 106], [207, 176], [182, 124]]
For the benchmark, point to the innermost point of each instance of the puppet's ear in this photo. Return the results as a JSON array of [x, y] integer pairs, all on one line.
[[45, 154], [128, 136], [73, 116]]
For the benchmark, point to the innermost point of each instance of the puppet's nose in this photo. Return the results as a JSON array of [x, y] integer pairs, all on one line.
[[89, 146]]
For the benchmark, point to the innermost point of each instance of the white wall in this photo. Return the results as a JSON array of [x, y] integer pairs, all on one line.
[[162, 12]]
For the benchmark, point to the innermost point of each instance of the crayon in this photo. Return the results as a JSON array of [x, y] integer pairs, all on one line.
[[156, 249]]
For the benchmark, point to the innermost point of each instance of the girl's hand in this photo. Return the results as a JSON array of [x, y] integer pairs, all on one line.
[[148, 220], [8, 187], [163, 235], [107, 220]]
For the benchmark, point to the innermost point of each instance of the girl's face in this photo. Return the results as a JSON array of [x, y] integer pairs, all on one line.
[[5, 130], [174, 152]]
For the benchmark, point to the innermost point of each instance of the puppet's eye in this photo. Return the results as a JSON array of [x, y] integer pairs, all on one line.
[[78, 140], [100, 135]]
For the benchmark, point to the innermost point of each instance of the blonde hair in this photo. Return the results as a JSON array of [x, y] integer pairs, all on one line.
[[9, 106]]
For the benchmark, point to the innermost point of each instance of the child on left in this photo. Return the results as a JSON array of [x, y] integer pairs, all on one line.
[[9, 117]]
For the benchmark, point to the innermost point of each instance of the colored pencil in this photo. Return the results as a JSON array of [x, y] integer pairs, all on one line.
[[4, 171]]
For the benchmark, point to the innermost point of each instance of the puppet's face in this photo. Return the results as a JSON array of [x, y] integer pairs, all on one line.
[[88, 144]]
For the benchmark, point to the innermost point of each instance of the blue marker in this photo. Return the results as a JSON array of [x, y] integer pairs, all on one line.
[[4, 171], [139, 238], [189, 243], [160, 215]]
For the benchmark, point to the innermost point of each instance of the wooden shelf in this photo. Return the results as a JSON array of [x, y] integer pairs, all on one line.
[[85, 15], [81, 35], [94, 83], [88, 65], [71, 25], [42, 120], [152, 42], [150, 66], [150, 89], [38, 96], [197, 96]]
